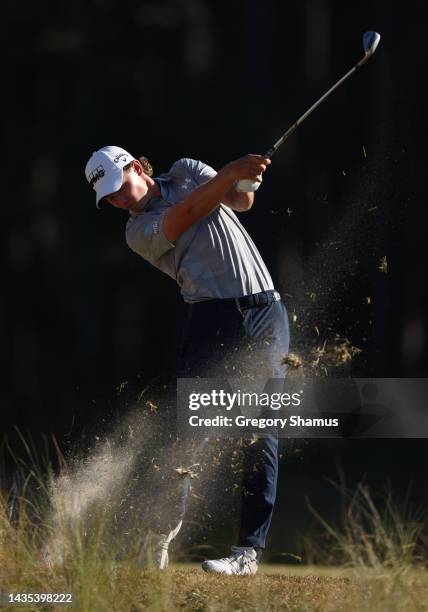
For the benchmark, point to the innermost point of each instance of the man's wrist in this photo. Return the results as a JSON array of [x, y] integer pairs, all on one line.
[[228, 175]]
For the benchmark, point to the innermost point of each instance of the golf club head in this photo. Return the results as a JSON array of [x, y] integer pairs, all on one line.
[[370, 42]]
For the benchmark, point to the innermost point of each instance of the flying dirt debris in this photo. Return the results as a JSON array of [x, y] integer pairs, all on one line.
[[343, 352], [318, 353], [383, 266], [293, 361], [121, 387], [338, 353], [189, 471], [151, 407]]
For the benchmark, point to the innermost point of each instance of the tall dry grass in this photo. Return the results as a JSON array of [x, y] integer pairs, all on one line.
[[382, 542], [375, 532], [46, 545], [57, 535]]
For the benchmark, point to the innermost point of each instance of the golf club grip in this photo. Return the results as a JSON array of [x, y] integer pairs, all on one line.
[[247, 185]]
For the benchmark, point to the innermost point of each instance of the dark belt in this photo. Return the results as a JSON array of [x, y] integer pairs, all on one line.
[[264, 298], [255, 300]]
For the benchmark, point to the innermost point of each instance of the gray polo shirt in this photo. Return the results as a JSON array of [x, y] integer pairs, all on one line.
[[215, 258]]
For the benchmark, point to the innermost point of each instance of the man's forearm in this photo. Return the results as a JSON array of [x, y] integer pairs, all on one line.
[[198, 204], [205, 198]]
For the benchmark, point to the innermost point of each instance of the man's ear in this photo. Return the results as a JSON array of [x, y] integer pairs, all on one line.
[[137, 167]]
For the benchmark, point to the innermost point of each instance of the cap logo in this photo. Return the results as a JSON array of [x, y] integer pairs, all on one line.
[[96, 175], [122, 157]]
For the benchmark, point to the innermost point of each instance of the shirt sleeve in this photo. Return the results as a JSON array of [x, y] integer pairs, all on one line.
[[197, 170], [144, 235]]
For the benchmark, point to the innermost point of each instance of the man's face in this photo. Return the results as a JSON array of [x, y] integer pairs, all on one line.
[[134, 188]]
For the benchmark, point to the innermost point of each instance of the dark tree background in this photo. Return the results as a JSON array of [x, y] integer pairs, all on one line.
[[80, 313]]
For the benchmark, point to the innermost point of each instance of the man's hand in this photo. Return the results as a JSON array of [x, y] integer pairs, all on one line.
[[249, 167], [250, 164]]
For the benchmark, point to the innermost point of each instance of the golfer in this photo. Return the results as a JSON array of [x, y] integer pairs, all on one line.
[[183, 222]]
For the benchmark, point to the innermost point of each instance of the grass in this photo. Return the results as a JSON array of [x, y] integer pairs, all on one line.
[[373, 560], [125, 587], [374, 534]]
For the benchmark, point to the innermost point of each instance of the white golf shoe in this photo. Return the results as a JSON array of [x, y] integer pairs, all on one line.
[[242, 561], [154, 552]]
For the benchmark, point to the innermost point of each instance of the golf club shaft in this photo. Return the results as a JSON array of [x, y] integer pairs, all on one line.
[[250, 185], [295, 125]]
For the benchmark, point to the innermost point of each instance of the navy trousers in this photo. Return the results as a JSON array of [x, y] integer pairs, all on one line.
[[244, 338]]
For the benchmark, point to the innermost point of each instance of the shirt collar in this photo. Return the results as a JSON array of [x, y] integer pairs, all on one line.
[[161, 180]]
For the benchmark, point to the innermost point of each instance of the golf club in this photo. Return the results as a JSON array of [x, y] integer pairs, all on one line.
[[370, 43]]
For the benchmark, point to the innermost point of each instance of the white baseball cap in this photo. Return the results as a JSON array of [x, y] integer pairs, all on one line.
[[104, 170]]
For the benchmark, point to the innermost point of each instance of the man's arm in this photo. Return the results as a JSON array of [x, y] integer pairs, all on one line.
[[205, 198], [238, 200]]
